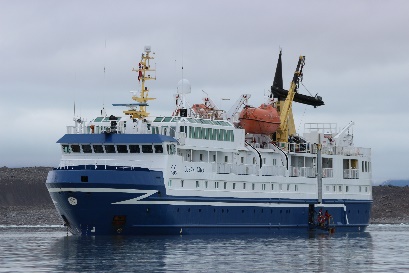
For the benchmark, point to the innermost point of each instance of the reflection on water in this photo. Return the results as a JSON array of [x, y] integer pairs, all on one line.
[[234, 254], [349, 252]]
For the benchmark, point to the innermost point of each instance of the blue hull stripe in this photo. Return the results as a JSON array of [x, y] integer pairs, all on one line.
[[187, 200]]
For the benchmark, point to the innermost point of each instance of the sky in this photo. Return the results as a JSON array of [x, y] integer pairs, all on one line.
[[57, 53]]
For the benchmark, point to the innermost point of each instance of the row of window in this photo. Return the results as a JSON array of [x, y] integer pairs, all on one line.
[[340, 188], [211, 134], [264, 186], [119, 148], [192, 120], [240, 185], [105, 119], [196, 132]]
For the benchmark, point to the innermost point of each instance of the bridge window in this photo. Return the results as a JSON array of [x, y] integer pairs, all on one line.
[[98, 149], [122, 149], [110, 149], [158, 149], [226, 135], [147, 149], [172, 131], [204, 133], [86, 149], [171, 149], [65, 148], [215, 134], [191, 132], [134, 149], [75, 148], [221, 134], [155, 130], [209, 133]]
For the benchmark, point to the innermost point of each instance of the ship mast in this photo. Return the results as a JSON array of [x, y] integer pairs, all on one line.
[[142, 99]]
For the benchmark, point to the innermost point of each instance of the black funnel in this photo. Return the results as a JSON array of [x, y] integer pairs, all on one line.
[[278, 77]]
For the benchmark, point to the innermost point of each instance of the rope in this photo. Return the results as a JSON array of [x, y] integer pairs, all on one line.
[[306, 89]]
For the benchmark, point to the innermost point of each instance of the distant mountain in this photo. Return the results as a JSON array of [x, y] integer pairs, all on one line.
[[398, 183]]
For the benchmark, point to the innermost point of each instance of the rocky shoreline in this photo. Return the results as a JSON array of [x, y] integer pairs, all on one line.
[[24, 200]]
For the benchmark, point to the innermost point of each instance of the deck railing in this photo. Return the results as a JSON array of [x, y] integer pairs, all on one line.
[[310, 172], [351, 174]]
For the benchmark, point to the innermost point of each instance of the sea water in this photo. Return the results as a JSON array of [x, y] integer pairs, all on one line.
[[382, 248]]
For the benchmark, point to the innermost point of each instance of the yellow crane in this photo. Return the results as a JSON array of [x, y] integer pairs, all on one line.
[[287, 127]]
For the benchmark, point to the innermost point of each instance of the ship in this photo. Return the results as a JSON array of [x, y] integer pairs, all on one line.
[[205, 170]]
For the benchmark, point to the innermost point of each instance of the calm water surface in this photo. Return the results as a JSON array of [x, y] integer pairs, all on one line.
[[383, 248]]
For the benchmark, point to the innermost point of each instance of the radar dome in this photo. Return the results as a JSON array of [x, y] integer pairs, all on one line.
[[184, 87]]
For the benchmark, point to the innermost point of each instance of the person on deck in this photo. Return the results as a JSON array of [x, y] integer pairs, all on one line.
[[320, 218], [327, 217]]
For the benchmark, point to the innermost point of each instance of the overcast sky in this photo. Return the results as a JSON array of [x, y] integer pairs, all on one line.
[[53, 53]]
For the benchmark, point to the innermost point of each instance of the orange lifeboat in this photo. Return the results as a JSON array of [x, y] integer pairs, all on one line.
[[261, 120]]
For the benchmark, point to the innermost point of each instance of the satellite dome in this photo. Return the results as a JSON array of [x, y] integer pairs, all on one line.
[[184, 87]]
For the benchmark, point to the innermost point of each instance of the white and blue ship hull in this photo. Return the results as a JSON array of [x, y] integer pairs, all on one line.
[[104, 200]]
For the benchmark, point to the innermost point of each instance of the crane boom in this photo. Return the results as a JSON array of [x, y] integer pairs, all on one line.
[[242, 100], [282, 132]]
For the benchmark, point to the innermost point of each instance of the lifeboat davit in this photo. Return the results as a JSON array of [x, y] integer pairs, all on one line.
[[261, 120]]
